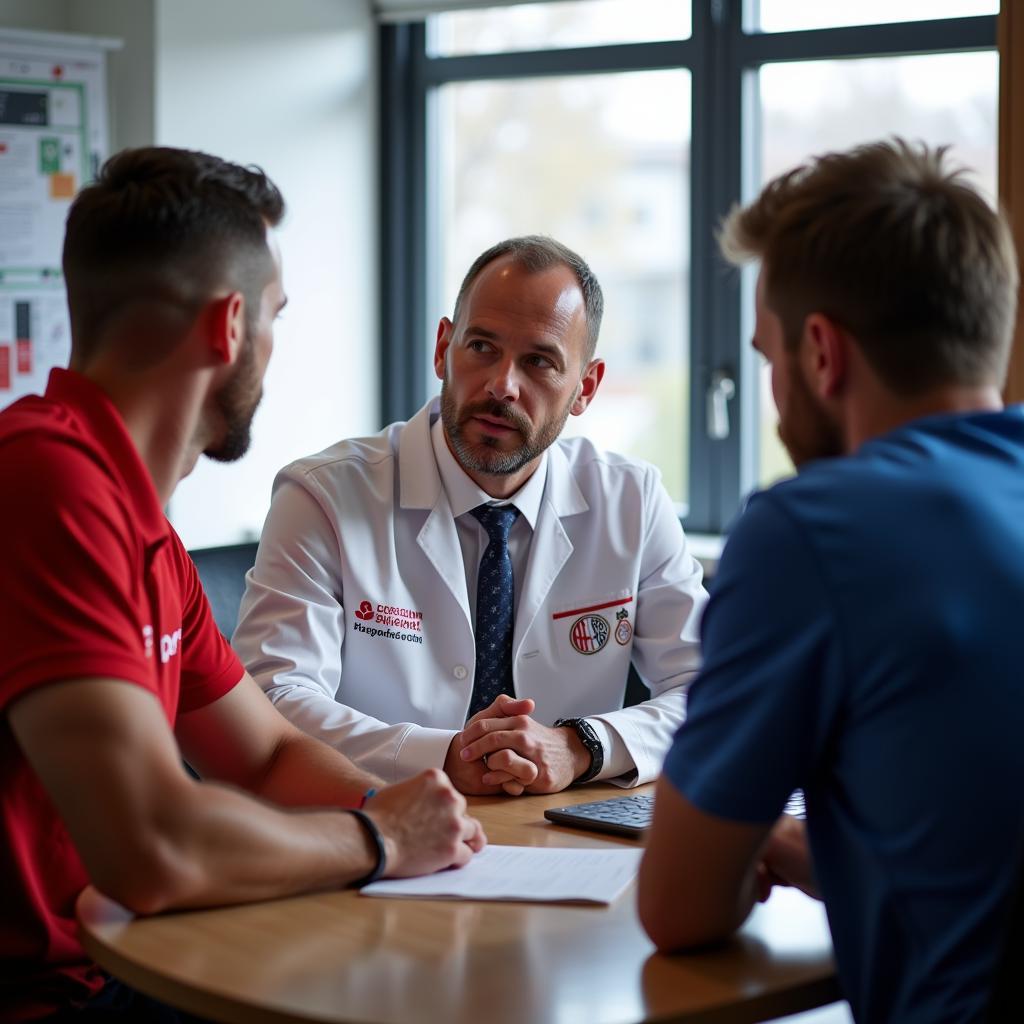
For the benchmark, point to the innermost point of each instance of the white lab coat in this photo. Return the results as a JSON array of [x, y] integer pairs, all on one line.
[[356, 620]]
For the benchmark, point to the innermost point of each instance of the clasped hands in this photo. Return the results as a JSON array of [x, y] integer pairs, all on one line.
[[503, 749]]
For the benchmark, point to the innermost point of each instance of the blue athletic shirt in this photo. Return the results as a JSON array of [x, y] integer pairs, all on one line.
[[865, 641]]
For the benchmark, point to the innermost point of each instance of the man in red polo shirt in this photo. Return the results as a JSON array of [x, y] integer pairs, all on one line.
[[111, 669]]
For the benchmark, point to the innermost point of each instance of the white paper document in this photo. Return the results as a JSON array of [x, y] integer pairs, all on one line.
[[538, 874]]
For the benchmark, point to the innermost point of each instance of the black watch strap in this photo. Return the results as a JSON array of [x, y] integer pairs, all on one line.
[[588, 737], [370, 827]]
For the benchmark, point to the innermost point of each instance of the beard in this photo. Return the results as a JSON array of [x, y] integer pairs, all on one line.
[[487, 456], [807, 430], [237, 401]]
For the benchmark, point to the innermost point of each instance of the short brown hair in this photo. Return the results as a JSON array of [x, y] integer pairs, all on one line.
[[165, 225], [899, 250], [535, 253]]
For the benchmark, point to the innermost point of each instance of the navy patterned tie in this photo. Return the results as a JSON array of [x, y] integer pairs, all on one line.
[[494, 594]]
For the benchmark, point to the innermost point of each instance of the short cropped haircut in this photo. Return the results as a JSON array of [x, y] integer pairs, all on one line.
[[896, 247], [535, 253], [170, 226]]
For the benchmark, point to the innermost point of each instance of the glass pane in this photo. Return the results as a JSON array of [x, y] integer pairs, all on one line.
[[548, 26], [816, 106], [600, 162], [795, 15]]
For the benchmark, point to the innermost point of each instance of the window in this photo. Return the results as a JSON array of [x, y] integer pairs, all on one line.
[[811, 106], [626, 129], [510, 160], [559, 24]]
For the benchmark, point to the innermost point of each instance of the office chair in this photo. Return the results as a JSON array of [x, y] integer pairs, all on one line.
[[222, 571]]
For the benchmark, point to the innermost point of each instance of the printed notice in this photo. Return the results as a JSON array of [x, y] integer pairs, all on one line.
[[52, 138], [537, 874], [34, 329]]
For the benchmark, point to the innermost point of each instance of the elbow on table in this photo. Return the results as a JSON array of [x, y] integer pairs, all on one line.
[[681, 935], [675, 925], [664, 929], [659, 913], [148, 877]]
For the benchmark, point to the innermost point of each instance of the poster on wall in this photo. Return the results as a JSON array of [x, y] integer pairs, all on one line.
[[53, 138]]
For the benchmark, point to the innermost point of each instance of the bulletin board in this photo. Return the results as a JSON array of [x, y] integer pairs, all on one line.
[[53, 138]]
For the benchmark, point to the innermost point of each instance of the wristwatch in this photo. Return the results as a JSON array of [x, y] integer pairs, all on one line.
[[591, 744]]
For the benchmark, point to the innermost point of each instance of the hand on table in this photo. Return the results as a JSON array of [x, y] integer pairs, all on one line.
[[468, 776], [517, 753], [786, 859], [424, 825]]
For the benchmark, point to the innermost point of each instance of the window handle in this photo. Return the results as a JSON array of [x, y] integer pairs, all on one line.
[[722, 388]]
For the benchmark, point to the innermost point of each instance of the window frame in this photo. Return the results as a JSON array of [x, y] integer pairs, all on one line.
[[723, 59]]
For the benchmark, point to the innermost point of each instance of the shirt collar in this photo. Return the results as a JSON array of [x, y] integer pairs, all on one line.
[[105, 425], [464, 495]]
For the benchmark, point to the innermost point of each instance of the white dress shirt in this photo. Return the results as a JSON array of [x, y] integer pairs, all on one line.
[[464, 496]]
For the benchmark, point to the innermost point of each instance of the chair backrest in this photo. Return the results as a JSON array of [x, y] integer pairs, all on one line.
[[222, 571]]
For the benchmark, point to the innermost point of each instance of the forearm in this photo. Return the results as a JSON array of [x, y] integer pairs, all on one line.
[[155, 839], [686, 916], [390, 751], [728, 919], [698, 878], [213, 845], [304, 772]]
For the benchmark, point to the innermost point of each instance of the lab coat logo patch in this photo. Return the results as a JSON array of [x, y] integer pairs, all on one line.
[[623, 631], [589, 633], [365, 611]]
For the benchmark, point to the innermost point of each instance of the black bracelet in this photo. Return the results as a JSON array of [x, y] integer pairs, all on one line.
[[378, 840]]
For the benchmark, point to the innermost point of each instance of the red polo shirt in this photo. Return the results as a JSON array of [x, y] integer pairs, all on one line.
[[93, 582]]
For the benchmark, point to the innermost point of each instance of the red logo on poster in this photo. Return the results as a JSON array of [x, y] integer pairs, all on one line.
[[5, 367], [24, 355], [365, 611], [58, 71]]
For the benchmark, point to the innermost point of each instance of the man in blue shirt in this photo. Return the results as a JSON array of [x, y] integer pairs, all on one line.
[[864, 637]]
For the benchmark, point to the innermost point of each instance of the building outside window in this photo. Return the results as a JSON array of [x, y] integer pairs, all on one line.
[[626, 129]]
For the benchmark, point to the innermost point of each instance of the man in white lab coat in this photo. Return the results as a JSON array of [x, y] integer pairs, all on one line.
[[387, 606]]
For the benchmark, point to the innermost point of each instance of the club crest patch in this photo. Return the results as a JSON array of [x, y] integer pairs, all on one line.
[[624, 629], [589, 633]]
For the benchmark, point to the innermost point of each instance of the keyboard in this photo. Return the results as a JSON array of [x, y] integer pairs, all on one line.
[[630, 815], [621, 815]]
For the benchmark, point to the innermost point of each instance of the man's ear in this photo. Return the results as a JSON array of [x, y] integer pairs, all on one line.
[[226, 324], [588, 385], [824, 354], [445, 329]]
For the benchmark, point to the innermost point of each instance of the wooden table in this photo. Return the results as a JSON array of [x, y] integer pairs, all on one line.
[[339, 956]]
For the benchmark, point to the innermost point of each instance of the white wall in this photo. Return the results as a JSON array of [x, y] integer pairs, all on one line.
[[291, 87], [130, 76], [37, 15]]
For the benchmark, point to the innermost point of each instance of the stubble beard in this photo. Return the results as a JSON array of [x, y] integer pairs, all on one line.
[[237, 401], [808, 431], [485, 456]]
